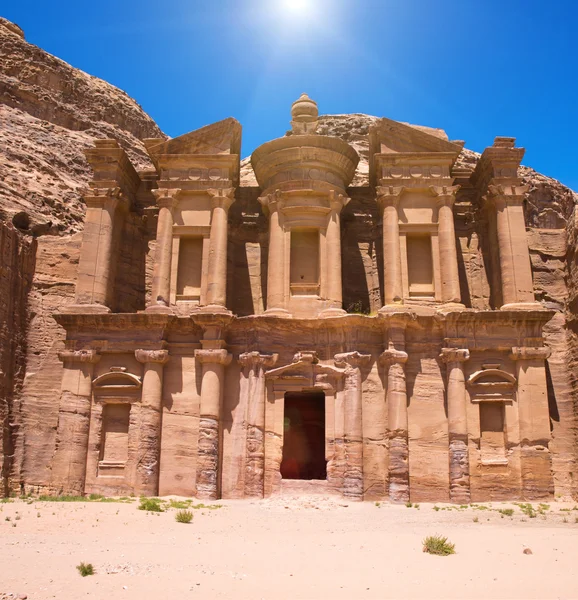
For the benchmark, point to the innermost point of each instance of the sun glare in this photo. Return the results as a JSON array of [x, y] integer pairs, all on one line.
[[297, 7]]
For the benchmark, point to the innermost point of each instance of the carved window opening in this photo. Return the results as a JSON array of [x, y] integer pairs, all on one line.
[[492, 433], [304, 262], [114, 445], [190, 268], [420, 266], [304, 436]]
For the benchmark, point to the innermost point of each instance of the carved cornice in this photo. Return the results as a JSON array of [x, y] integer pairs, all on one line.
[[85, 356], [392, 356], [167, 197], [221, 357], [454, 355], [527, 353], [221, 197], [389, 195], [353, 359], [152, 356]]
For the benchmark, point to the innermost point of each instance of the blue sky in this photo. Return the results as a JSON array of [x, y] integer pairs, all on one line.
[[474, 68]]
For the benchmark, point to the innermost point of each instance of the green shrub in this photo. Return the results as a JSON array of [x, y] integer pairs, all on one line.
[[508, 512], [85, 569], [151, 505], [180, 503], [439, 545], [184, 516]]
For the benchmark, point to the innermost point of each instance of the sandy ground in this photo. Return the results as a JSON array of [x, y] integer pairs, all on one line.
[[284, 548]]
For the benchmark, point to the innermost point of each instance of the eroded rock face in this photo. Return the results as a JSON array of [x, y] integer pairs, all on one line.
[[50, 113]]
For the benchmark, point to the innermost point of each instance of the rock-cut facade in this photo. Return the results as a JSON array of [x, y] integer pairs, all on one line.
[[307, 332]]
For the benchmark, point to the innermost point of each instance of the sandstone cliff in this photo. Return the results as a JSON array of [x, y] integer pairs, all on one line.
[[50, 112]]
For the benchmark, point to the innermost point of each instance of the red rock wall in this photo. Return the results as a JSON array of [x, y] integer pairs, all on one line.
[[17, 256]]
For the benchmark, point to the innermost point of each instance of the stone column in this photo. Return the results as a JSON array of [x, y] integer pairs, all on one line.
[[96, 268], [396, 399], [515, 268], [213, 363], [161, 284], [457, 424], [353, 480], [221, 200], [69, 462], [450, 278], [150, 413], [388, 199], [534, 422], [254, 365], [276, 276], [333, 270]]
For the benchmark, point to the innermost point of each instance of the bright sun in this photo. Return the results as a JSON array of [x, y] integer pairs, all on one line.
[[297, 7]]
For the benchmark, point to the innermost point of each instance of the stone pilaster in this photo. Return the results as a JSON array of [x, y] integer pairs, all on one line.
[[534, 422], [149, 443], [457, 424], [96, 268], [213, 363], [221, 200], [276, 271], [450, 279], [396, 400], [253, 371], [333, 270], [167, 199], [69, 462], [353, 480], [515, 268], [388, 199]]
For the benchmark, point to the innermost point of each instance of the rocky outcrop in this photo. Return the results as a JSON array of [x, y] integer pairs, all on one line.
[[50, 113]]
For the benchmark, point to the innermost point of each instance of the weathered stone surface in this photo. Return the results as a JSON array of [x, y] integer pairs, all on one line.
[[207, 426]]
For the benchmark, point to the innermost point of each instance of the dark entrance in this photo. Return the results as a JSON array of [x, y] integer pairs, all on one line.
[[304, 436]]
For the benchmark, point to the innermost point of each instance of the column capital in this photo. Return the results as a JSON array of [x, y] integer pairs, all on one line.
[[109, 198], [167, 197], [454, 355], [337, 201], [221, 197], [353, 359], [272, 202], [152, 356], [507, 195], [253, 359], [221, 357], [527, 353], [85, 356], [445, 194], [392, 356], [389, 195]]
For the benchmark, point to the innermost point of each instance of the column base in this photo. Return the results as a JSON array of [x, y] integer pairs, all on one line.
[[84, 309], [327, 313], [278, 312], [522, 306], [392, 308], [159, 309], [451, 307], [215, 308]]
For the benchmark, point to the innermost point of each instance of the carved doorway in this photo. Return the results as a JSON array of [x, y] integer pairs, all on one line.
[[304, 436]]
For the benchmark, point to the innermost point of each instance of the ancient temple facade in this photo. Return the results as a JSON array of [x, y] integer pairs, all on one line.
[[237, 338]]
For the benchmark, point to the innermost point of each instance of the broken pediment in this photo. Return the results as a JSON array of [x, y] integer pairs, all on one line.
[[389, 136], [306, 372], [223, 137]]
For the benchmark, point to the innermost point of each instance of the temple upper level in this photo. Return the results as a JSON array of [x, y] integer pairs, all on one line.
[[304, 242]]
